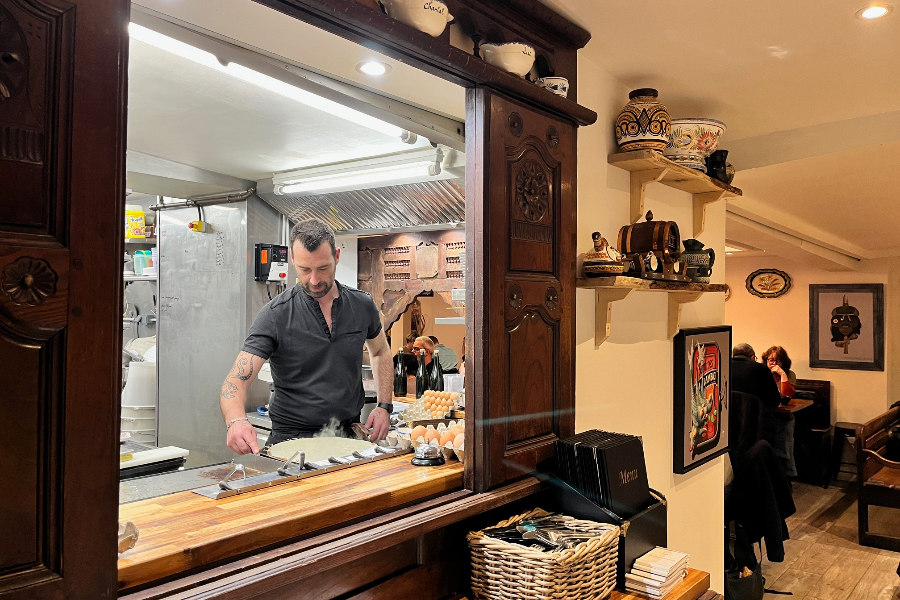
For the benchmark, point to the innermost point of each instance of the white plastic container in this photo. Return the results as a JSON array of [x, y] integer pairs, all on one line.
[[138, 424], [143, 437], [140, 389], [454, 383], [139, 412]]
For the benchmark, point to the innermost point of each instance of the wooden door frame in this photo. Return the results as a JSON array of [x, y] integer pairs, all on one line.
[[91, 188]]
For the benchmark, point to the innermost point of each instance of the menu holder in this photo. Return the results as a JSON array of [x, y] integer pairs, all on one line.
[[639, 535]]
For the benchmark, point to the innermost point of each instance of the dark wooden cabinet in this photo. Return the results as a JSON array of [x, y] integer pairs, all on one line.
[[62, 131], [521, 218]]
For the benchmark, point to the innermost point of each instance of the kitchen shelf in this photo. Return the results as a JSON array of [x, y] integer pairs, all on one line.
[[612, 289], [149, 240], [130, 278], [648, 166]]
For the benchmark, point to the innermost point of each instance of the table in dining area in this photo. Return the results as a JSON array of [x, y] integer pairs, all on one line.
[[796, 404]]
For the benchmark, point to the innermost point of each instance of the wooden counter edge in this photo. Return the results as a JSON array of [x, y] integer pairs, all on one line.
[[270, 569], [691, 588]]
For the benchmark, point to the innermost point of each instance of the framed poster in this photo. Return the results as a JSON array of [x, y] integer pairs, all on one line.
[[702, 396], [846, 326]]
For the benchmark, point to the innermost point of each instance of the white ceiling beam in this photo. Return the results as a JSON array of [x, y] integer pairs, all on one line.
[[816, 140], [750, 232], [146, 164]]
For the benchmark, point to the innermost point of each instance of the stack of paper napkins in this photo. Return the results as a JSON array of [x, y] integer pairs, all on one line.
[[657, 572]]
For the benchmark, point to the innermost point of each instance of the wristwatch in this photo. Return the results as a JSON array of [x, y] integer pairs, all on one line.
[[386, 406]]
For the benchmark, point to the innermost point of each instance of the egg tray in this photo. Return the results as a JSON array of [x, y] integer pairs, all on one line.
[[427, 422]]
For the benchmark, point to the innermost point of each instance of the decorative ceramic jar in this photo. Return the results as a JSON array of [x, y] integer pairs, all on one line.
[[557, 85], [604, 261], [692, 140], [699, 261], [719, 168], [515, 57], [644, 122], [430, 16]]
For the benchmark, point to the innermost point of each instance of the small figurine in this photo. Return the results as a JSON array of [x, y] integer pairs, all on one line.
[[604, 261]]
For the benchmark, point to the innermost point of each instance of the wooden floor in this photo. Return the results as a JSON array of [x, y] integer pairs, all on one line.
[[823, 559]]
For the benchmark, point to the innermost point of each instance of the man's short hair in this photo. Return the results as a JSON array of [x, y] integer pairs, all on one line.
[[434, 339], [743, 350], [311, 234], [426, 342]]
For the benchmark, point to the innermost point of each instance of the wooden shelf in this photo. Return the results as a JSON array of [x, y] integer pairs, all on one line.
[[648, 166], [611, 289], [131, 278]]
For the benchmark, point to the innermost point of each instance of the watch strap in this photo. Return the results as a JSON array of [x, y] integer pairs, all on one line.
[[386, 406]]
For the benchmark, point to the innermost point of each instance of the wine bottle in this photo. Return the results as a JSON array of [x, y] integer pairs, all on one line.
[[422, 378], [437, 373], [400, 376]]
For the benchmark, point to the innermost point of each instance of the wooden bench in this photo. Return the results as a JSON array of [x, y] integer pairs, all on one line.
[[879, 478]]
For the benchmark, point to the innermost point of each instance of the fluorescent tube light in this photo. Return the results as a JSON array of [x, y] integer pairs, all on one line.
[[414, 166], [359, 179], [178, 48]]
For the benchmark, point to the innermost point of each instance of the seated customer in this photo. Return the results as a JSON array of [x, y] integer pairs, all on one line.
[[777, 360], [751, 377]]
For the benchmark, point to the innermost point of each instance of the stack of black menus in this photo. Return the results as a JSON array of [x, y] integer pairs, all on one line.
[[607, 468]]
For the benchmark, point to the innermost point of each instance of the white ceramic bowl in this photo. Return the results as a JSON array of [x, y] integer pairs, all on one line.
[[692, 140], [515, 57], [430, 16], [557, 85]]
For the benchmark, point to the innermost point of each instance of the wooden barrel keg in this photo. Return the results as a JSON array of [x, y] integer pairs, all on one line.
[[659, 237]]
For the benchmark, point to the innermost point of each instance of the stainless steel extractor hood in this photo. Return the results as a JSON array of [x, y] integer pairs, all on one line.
[[429, 205]]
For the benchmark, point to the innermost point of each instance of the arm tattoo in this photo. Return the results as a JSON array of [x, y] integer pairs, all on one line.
[[229, 390], [243, 368]]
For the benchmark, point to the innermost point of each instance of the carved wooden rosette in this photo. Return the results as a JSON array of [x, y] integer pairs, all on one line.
[[36, 69], [529, 206]]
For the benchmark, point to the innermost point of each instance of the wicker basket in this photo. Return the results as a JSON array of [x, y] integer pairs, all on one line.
[[505, 571]]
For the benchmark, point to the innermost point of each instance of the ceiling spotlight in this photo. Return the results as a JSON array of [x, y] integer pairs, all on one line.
[[876, 11], [373, 68]]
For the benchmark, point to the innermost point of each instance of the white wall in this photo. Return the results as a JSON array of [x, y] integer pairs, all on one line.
[[347, 272], [857, 396], [626, 384]]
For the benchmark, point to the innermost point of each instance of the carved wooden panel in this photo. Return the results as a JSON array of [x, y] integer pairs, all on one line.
[[61, 218], [522, 195], [399, 267], [36, 69]]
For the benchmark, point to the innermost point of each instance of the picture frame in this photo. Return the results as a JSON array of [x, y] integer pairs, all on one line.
[[768, 283], [701, 395], [846, 326]]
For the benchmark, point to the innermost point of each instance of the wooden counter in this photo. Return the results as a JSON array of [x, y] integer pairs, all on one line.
[[185, 530]]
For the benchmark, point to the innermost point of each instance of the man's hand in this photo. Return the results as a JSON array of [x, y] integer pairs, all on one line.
[[242, 438], [379, 422]]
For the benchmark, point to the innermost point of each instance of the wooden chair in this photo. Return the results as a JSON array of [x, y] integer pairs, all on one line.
[[878, 477]]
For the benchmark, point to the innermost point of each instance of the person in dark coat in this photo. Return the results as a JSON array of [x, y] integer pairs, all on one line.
[[751, 377]]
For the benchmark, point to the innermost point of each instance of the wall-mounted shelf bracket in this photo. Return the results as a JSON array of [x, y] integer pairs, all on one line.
[[676, 301]]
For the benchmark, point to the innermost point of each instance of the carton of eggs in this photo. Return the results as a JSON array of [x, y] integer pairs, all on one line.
[[432, 405], [450, 438]]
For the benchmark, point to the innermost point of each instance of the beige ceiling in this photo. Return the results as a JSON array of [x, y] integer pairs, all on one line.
[[811, 98]]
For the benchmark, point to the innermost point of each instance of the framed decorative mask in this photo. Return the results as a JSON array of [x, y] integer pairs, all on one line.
[[846, 326]]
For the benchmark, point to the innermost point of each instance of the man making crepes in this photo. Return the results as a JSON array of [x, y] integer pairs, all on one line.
[[313, 336]]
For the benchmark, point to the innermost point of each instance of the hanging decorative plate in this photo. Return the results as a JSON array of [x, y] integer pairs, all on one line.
[[727, 292], [768, 283]]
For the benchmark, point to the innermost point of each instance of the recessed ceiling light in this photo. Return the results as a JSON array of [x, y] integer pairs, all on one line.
[[876, 11], [373, 67]]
